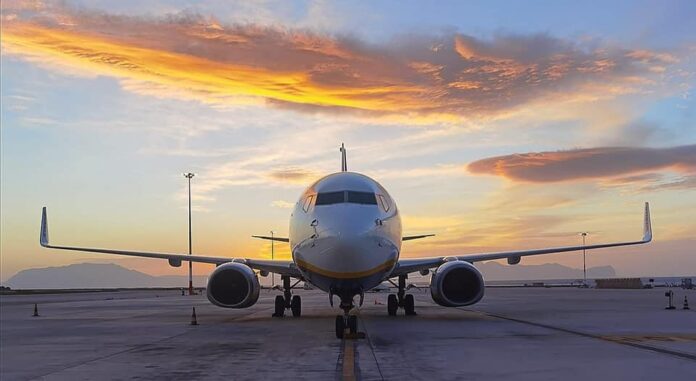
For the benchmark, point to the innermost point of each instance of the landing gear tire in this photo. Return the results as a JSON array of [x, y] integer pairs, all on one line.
[[340, 326], [296, 306], [353, 324], [409, 305], [392, 305], [279, 306]]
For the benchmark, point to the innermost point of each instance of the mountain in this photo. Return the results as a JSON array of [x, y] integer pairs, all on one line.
[[95, 275], [109, 275], [498, 271]]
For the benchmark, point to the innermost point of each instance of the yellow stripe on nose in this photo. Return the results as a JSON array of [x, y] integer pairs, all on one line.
[[305, 266]]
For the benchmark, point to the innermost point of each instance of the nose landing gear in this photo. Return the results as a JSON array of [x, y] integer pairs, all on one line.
[[346, 321], [401, 299], [287, 300], [342, 322]]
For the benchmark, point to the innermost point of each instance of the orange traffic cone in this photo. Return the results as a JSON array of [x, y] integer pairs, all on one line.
[[686, 303], [194, 321], [36, 310]]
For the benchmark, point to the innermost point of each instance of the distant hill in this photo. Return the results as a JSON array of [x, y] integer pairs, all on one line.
[[95, 275], [498, 271], [109, 275]]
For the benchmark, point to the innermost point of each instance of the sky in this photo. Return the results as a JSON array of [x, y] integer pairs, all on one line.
[[495, 125]]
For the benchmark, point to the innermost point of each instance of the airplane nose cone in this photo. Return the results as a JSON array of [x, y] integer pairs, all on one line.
[[346, 225]]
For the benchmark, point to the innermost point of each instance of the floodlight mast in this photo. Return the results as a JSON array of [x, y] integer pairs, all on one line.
[[584, 262], [272, 257], [189, 176]]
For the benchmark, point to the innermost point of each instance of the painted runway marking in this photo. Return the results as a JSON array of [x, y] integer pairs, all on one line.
[[348, 364], [348, 360]]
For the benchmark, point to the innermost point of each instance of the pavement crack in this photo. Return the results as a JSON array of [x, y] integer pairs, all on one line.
[[598, 337], [127, 350], [133, 348], [372, 348]]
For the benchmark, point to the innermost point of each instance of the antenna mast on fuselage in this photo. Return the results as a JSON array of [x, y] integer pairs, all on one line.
[[344, 163]]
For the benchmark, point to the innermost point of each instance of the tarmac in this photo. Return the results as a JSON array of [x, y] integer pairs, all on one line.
[[513, 333]]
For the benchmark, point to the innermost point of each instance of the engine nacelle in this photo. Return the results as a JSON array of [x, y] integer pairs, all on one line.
[[456, 283], [233, 285]]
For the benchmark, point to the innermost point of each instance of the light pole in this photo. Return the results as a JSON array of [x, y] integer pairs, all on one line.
[[272, 258], [189, 176], [584, 263]]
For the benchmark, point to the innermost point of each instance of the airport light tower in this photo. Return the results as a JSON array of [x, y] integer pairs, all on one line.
[[272, 257], [584, 263], [189, 176]]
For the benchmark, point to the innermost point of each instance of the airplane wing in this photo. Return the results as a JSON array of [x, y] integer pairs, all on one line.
[[405, 266], [275, 266]]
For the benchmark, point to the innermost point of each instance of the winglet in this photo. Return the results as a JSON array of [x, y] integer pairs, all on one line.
[[647, 227], [43, 237]]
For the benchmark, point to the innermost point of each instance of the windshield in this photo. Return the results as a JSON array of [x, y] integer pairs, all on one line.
[[352, 197]]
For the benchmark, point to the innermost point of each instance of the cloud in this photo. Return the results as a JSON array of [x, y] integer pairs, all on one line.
[[252, 171], [292, 175], [651, 182], [282, 204], [591, 163], [437, 77]]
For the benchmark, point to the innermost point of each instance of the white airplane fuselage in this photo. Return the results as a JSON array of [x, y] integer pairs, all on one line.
[[345, 234]]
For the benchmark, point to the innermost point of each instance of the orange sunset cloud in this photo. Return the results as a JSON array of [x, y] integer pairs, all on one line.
[[441, 76], [615, 163]]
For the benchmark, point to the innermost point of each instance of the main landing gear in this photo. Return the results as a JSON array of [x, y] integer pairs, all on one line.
[[401, 300], [287, 300]]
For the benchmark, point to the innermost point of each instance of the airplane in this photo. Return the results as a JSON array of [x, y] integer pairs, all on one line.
[[345, 237]]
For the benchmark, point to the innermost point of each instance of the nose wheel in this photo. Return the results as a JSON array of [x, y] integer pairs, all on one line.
[[346, 322], [349, 322], [401, 299]]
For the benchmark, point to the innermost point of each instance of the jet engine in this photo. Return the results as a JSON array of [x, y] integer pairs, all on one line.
[[456, 283], [233, 285]]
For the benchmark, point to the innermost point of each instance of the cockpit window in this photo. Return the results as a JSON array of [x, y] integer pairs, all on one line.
[[329, 198], [365, 198], [307, 204], [352, 197], [385, 203]]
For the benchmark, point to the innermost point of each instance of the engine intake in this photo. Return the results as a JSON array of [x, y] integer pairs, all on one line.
[[233, 285], [456, 283]]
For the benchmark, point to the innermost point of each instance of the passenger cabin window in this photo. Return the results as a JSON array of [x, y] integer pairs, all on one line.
[[384, 202], [352, 197], [307, 204]]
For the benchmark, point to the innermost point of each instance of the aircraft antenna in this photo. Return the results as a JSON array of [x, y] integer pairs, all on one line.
[[344, 164]]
